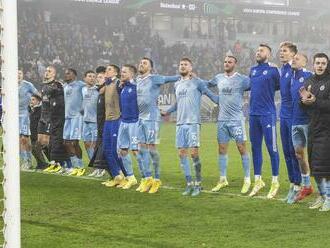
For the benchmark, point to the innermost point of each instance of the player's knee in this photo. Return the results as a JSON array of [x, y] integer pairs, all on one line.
[[182, 153], [135, 152], [143, 146], [299, 155], [222, 150], [123, 152], [241, 148], [24, 140], [194, 153], [152, 147]]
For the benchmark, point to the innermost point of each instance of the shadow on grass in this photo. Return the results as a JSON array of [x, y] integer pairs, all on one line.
[[139, 241]]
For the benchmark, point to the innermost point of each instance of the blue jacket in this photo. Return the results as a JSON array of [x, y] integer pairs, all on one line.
[[285, 89], [265, 80], [128, 103], [299, 116]]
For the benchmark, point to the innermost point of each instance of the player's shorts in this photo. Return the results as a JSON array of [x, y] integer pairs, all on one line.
[[128, 136], [299, 135], [149, 132], [187, 136], [228, 130], [24, 125], [72, 128], [89, 131], [43, 127]]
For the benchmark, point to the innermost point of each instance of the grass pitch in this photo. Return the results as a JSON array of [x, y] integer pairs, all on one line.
[[69, 212]]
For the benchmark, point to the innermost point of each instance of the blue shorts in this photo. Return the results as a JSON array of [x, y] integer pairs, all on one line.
[[299, 135], [128, 136], [149, 132], [24, 125], [228, 130], [187, 136], [89, 132], [72, 128]]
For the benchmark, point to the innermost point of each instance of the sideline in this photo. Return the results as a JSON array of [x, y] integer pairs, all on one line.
[[163, 187]]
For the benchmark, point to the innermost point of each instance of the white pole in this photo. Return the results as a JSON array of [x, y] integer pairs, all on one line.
[[12, 216]]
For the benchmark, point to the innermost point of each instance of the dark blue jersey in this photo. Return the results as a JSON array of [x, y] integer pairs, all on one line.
[[299, 116], [265, 80], [285, 85], [128, 103]]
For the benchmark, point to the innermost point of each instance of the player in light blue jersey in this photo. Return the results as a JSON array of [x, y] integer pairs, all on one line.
[[73, 120], [188, 92], [231, 122], [90, 95], [148, 88], [25, 90]]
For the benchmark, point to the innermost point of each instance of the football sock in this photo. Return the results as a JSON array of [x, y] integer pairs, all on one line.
[[223, 162], [185, 165], [198, 169], [127, 161], [246, 165], [306, 180], [154, 154]]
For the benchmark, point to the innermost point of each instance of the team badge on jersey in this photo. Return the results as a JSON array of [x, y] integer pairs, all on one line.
[[322, 88], [254, 72], [265, 72], [287, 75], [129, 90], [301, 80]]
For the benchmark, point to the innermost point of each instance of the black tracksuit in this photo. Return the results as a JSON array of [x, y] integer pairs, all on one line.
[[319, 126], [35, 113]]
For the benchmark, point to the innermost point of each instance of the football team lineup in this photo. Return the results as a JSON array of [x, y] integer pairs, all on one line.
[[114, 112], [186, 123]]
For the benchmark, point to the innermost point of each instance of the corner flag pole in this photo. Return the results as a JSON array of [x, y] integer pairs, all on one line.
[[11, 170]]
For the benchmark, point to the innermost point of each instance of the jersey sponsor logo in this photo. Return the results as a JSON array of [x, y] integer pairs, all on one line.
[[68, 92], [268, 126], [265, 72], [227, 91], [322, 88], [182, 92], [301, 80], [139, 91], [88, 96]]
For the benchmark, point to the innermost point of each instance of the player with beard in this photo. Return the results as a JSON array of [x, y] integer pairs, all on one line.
[[231, 122], [265, 80], [188, 92], [148, 89]]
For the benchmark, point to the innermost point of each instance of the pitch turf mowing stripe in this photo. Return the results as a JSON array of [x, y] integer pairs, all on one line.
[[164, 187]]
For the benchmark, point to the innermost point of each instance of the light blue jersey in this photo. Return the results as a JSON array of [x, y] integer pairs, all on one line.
[[73, 99], [188, 94], [148, 89], [90, 98], [25, 91], [231, 92]]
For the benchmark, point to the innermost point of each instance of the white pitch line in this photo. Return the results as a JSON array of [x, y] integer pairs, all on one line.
[[164, 187]]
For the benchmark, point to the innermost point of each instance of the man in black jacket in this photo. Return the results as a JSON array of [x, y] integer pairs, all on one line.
[[315, 97], [55, 96]]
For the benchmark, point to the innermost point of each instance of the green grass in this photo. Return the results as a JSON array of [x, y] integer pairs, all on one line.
[[72, 212]]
